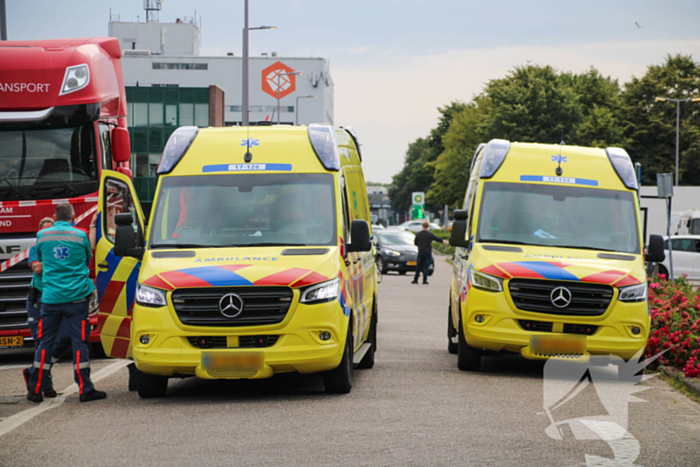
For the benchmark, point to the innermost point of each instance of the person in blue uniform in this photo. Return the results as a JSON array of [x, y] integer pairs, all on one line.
[[64, 252], [34, 313]]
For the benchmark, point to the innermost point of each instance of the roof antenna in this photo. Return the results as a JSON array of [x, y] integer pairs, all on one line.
[[248, 156], [559, 171]]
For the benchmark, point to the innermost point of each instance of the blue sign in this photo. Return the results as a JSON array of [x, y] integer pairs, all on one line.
[[247, 168]]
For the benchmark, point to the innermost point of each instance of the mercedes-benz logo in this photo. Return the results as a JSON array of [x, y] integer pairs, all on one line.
[[560, 297], [231, 305]]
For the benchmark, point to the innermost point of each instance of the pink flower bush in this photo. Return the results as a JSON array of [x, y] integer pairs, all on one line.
[[675, 325]]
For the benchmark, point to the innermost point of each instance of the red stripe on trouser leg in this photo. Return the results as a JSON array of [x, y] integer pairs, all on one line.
[[83, 332], [41, 368], [77, 366], [41, 320]]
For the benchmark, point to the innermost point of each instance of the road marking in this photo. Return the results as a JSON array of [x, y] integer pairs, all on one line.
[[19, 419]]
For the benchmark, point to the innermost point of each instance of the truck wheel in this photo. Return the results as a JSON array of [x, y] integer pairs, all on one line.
[[339, 380], [150, 386], [452, 347], [468, 358], [368, 360]]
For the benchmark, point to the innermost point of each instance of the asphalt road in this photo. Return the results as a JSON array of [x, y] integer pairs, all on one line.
[[413, 408]]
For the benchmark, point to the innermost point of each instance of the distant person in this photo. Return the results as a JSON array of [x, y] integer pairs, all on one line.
[[424, 241], [64, 252], [34, 314]]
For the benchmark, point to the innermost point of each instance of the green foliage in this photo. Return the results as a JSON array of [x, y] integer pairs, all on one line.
[[650, 126]]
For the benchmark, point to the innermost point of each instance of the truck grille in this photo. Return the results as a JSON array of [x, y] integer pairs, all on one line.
[[261, 305], [14, 286], [534, 295]]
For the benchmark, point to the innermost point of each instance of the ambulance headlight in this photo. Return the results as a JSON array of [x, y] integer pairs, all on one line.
[[149, 296], [485, 281], [633, 293], [176, 147], [321, 293], [75, 79]]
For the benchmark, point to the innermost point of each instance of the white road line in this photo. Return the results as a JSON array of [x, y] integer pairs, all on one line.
[[19, 419]]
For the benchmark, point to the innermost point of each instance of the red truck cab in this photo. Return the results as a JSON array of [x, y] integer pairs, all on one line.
[[62, 121]]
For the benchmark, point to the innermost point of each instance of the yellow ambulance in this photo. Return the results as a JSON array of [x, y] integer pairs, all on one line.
[[255, 261], [550, 256]]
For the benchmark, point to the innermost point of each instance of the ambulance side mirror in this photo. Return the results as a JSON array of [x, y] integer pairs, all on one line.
[[359, 233], [125, 237], [459, 232], [655, 251]]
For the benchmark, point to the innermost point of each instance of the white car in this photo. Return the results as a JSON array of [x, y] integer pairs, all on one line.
[[686, 256], [417, 226]]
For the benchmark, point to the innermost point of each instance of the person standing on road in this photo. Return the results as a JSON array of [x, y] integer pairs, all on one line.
[[34, 314], [424, 241], [64, 252]]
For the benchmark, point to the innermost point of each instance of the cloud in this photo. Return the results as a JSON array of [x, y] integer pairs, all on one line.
[[395, 100]]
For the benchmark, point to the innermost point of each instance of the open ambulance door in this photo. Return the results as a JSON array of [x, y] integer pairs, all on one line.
[[116, 276]]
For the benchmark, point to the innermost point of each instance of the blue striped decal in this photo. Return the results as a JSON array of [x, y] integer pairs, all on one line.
[[247, 168], [131, 286], [568, 180], [547, 270], [216, 276], [105, 277]]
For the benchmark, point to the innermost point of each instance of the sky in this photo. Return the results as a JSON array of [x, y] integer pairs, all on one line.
[[394, 62]]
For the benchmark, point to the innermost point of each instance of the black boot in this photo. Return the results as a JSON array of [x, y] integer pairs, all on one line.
[[93, 395]]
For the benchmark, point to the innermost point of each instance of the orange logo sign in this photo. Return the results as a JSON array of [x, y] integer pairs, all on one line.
[[273, 75]]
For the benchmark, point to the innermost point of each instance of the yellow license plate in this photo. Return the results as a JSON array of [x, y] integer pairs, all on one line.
[[12, 341], [558, 345], [232, 361], [411, 263]]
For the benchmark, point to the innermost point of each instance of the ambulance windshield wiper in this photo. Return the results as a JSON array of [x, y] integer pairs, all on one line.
[[236, 245], [505, 242], [182, 245], [577, 247]]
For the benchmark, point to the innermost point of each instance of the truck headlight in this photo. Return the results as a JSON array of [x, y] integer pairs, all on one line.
[[633, 293], [392, 253], [75, 79], [149, 296], [323, 292], [485, 281]]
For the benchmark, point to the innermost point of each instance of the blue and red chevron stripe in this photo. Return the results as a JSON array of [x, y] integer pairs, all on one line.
[[557, 271], [227, 276]]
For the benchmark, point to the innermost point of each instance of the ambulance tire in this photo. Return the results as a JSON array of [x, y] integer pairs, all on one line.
[[97, 351], [468, 358], [452, 347], [339, 380], [368, 360], [150, 386]]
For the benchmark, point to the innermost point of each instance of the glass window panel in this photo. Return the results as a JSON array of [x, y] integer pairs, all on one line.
[[155, 114], [201, 115], [171, 115], [186, 114], [140, 114]]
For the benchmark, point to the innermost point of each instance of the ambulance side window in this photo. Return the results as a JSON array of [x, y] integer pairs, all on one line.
[[117, 201], [105, 147], [471, 210], [346, 214]]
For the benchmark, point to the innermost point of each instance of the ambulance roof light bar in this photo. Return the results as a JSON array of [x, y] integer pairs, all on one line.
[[176, 147], [494, 155], [622, 164], [325, 145]]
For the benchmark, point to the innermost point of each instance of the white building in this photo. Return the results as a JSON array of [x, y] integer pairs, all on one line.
[[167, 54]]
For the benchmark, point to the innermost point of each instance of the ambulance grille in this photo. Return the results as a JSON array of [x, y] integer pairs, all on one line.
[[14, 286], [220, 342], [261, 305], [534, 295]]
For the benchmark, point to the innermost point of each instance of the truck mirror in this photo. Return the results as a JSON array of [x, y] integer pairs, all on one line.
[[459, 231], [125, 237], [121, 146], [655, 251], [460, 215], [359, 233]]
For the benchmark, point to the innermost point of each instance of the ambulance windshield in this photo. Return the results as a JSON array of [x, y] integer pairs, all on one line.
[[245, 210], [558, 216]]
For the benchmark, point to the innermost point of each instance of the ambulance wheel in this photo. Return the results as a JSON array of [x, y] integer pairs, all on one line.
[[368, 360], [663, 270], [339, 380], [468, 358], [97, 351], [451, 333], [150, 386]]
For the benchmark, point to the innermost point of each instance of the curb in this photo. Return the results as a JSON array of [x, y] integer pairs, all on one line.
[[691, 384]]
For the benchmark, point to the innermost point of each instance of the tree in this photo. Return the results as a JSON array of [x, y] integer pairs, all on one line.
[[650, 126], [531, 104], [452, 165]]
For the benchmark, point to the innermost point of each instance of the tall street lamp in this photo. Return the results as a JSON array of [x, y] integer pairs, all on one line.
[[244, 100], [296, 120], [279, 75], [678, 113]]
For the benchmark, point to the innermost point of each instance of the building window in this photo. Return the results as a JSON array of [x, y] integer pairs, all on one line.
[[180, 66], [262, 108]]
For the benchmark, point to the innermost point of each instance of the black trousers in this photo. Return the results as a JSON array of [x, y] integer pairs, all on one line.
[[423, 265]]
